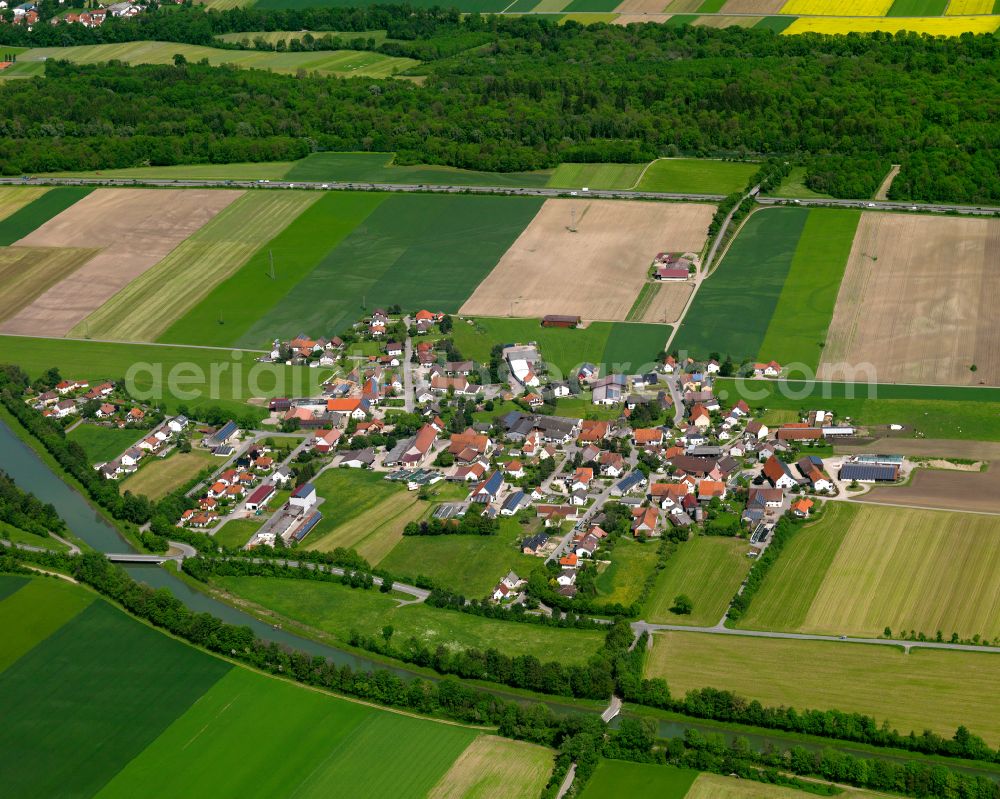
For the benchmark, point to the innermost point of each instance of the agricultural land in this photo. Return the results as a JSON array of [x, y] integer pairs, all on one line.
[[774, 292], [143, 309], [133, 228], [922, 690], [893, 300], [332, 62], [340, 610], [606, 246], [173, 694], [708, 570]]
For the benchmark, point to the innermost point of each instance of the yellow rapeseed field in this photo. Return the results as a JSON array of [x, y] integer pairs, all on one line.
[[838, 8], [936, 26], [969, 7]]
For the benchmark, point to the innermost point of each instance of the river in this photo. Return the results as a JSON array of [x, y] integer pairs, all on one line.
[[32, 474]]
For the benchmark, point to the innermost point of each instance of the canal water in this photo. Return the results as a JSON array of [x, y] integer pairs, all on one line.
[[32, 474]]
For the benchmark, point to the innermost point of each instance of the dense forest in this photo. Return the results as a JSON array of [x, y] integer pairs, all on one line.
[[534, 94]]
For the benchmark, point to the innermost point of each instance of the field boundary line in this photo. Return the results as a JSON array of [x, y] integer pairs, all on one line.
[[134, 343]]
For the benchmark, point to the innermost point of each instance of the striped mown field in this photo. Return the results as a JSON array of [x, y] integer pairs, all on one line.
[[925, 689], [860, 570], [148, 305], [14, 198]]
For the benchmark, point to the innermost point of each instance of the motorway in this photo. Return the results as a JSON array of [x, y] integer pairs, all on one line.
[[606, 194]]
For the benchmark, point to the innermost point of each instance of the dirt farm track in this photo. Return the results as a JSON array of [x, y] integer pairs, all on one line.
[[919, 301], [595, 270]]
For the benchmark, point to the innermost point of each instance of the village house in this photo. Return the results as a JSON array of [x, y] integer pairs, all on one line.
[[611, 464], [488, 490], [700, 417], [357, 458], [647, 436], [811, 468], [772, 369], [802, 507], [778, 473], [514, 470], [516, 501], [534, 544], [507, 587], [354, 407], [644, 521]]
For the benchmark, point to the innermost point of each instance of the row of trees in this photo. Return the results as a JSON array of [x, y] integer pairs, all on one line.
[[845, 106], [25, 511]]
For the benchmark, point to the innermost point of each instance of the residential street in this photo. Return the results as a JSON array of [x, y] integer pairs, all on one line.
[[408, 389]]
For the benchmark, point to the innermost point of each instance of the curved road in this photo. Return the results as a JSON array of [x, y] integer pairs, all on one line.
[[418, 594]]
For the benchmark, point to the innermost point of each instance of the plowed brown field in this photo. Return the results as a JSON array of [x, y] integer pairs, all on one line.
[[919, 301]]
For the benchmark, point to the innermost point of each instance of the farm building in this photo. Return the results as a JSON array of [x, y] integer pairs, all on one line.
[[869, 472], [671, 273], [560, 320]]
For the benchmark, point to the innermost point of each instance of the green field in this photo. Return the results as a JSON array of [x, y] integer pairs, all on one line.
[[917, 8], [239, 376], [697, 176], [628, 344], [709, 570], [798, 327], [225, 315], [358, 504], [96, 691], [860, 571], [467, 564], [561, 347], [794, 580], [338, 610], [148, 305], [18, 536], [13, 198], [32, 610], [596, 176], [417, 250], [39, 211], [496, 768], [614, 778], [954, 412], [732, 309], [778, 24], [274, 170], [623, 580], [633, 347], [236, 532], [379, 168], [104, 443], [97, 703], [377, 530], [341, 63], [160, 476], [925, 689], [794, 186], [327, 745]]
